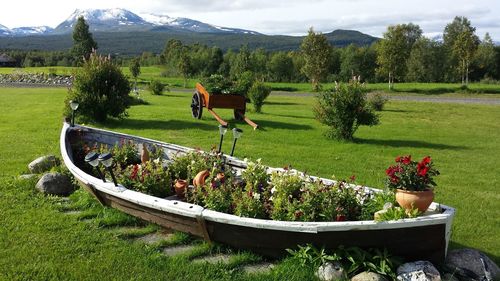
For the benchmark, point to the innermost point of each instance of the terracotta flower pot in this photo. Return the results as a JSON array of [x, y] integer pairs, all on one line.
[[180, 188], [200, 178], [414, 199]]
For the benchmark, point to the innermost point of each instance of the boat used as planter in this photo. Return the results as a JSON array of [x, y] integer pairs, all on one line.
[[425, 237]]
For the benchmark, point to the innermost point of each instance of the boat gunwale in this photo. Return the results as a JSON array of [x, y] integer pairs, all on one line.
[[196, 211]]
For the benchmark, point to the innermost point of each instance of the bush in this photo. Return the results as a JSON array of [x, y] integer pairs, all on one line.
[[156, 87], [344, 109], [243, 84], [258, 94], [217, 84], [377, 101], [100, 88]]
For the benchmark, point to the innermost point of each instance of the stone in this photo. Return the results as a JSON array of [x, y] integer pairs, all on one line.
[[28, 176], [471, 264], [55, 184], [178, 250], [330, 271], [43, 164], [418, 271], [263, 267], [368, 276], [154, 238], [214, 259]]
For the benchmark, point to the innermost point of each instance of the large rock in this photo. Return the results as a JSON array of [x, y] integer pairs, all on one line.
[[470, 264], [55, 184], [418, 271], [43, 164], [368, 276], [330, 271]]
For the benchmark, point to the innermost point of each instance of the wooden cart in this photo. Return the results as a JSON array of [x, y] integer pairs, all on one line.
[[201, 98]]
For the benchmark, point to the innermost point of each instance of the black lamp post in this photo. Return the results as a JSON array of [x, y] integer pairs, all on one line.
[[92, 159], [222, 132], [236, 135], [74, 106], [107, 160]]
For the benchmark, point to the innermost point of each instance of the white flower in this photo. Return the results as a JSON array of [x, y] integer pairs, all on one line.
[[273, 190], [192, 162], [256, 196], [245, 159], [271, 198]]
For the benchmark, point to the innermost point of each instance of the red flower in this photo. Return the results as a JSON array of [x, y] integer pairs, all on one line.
[[426, 160], [407, 160], [352, 178]]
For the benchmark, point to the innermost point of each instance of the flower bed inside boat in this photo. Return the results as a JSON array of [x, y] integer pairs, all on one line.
[[255, 192]]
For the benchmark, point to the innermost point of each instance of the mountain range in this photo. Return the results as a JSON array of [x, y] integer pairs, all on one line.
[[116, 20], [121, 32]]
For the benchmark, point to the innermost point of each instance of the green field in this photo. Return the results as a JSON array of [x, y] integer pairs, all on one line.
[[155, 72], [35, 238]]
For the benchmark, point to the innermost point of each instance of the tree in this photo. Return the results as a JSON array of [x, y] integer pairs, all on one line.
[[485, 59], [425, 63], [240, 63], [83, 43], [101, 89], [451, 33], [135, 70], [280, 67], [317, 53], [184, 66], [350, 62], [394, 50], [464, 48]]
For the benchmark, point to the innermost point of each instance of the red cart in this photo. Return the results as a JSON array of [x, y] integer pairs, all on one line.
[[201, 98]]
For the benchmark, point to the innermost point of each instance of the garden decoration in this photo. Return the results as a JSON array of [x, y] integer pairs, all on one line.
[[74, 106], [413, 182], [251, 206], [202, 98]]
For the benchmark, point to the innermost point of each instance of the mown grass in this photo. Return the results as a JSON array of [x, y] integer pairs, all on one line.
[[462, 139]]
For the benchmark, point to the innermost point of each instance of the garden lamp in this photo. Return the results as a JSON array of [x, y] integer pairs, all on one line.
[[107, 160], [74, 106], [236, 135], [222, 132], [92, 158]]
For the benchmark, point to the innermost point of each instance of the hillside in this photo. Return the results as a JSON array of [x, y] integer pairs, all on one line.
[[133, 43]]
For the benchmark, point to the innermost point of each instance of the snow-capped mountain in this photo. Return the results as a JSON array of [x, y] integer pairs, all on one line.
[[104, 20], [5, 31], [116, 20], [32, 30]]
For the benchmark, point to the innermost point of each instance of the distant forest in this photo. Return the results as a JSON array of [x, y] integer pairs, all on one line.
[[402, 55]]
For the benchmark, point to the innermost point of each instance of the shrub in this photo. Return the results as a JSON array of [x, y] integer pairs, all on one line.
[[217, 84], [377, 101], [156, 87], [257, 94], [100, 88], [243, 83], [344, 109]]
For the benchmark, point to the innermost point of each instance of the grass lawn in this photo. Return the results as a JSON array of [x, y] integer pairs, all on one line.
[[462, 139]]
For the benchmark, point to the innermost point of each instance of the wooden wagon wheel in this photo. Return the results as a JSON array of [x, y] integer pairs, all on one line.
[[196, 105], [238, 114]]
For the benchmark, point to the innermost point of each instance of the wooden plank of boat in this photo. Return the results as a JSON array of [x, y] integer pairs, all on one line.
[[418, 238]]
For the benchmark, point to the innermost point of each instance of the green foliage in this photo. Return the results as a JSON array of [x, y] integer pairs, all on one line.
[[150, 178], [125, 154], [317, 53], [377, 101], [101, 89], [83, 43], [344, 109], [353, 259], [397, 213], [280, 67], [243, 83], [425, 63], [411, 175], [376, 203], [258, 93], [156, 87], [217, 84], [135, 67]]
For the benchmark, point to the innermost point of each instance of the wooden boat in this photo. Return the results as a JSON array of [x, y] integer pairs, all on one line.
[[425, 237]]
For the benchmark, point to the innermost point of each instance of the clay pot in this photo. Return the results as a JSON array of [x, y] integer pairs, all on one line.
[[414, 199], [180, 188], [200, 178], [144, 154]]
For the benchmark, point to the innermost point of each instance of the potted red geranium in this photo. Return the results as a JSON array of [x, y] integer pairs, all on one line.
[[413, 182]]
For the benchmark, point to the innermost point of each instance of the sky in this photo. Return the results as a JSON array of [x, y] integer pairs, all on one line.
[[289, 17]]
